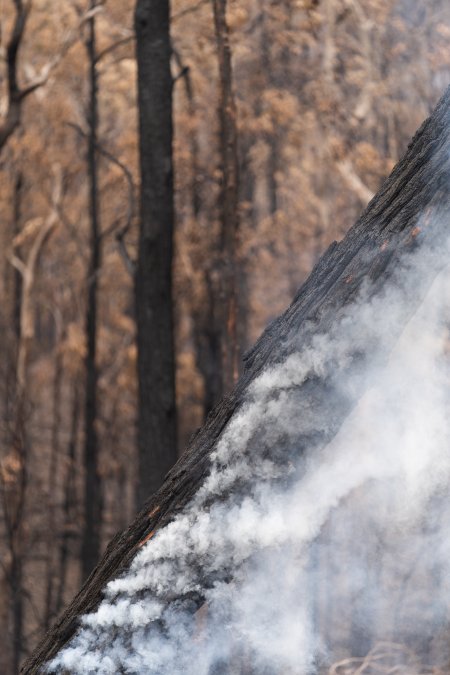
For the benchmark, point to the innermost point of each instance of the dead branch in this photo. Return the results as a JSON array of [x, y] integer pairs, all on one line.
[[27, 269], [348, 173], [120, 234], [112, 47], [385, 658], [189, 10], [16, 94]]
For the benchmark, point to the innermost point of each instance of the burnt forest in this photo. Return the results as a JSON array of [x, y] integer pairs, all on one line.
[[225, 337]]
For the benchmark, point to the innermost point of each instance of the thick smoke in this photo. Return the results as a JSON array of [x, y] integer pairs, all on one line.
[[304, 553]]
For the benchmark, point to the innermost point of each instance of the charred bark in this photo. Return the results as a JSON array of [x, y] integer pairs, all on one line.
[[157, 446], [417, 191], [15, 94], [69, 506], [17, 218], [225, 274], [92, 485]]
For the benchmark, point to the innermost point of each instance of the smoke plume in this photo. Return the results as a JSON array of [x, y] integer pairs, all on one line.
[[295, 553]]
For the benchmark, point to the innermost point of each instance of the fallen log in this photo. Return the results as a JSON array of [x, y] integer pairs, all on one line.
[[411, 211]]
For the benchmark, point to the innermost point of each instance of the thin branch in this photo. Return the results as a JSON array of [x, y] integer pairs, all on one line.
[[120, 234], [184, 72], [352, 179], [16, 94], [27, 269], [12, 117], [131, 37], [115, 45], [131, 189], [70, 40], [18, 264], [73, 230], [189, 10], [129, 263]]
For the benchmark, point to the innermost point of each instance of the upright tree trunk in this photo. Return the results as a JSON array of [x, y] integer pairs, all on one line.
[[52, 479], [226, 300], [249, 215], [215, 316], [13, 113], [92, 486], [271, 136], [208, 355], [17, 217], [14, 499], [70, 499], [13, 496], [17, 591], [157, 445]]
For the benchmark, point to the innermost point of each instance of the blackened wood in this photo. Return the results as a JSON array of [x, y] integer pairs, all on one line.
[[157, 444], [90, 547], [418, 188], [224, 275], [15, 94]]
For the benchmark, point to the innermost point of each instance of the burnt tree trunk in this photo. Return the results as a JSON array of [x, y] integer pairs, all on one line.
[[416, 194], [157, 445], [17, 218], [215, 317], [69, 505], [52, 477], [16, 96], [225, 274], [92, 487]]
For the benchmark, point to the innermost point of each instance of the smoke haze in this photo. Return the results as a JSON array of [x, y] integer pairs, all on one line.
[[302, 552]]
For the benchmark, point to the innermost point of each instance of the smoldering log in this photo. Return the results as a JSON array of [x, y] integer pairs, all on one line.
[[411, 210]]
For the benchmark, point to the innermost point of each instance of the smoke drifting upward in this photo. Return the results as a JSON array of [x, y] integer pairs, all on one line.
[[299, 552]]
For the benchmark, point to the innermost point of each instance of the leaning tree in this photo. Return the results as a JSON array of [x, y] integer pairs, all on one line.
[[411, 211]]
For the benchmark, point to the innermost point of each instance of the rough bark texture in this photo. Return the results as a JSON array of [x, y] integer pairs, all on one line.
[[413, 206], [224, 275], [156, 368], [92, 484]]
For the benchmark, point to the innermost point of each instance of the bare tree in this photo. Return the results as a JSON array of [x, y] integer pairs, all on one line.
[[70, 499], [27, 270], [157, 445], [225, 314], [92, 484], [14, 469], [16, 94], [215, 315]]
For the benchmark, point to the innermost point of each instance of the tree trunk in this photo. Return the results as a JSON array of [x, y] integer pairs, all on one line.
[[92, 486], [419, 188], [215, 316], [207, 342], [52, 489], [70, 500], [157, 446], [225, 299], [13, 497], [17, 222], [16, 96]]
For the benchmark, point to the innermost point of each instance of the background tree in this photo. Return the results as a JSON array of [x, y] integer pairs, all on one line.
[[92, 483], [225, 299], [157, 439]]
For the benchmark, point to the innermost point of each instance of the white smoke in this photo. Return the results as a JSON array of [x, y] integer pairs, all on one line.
[[303, 561]]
